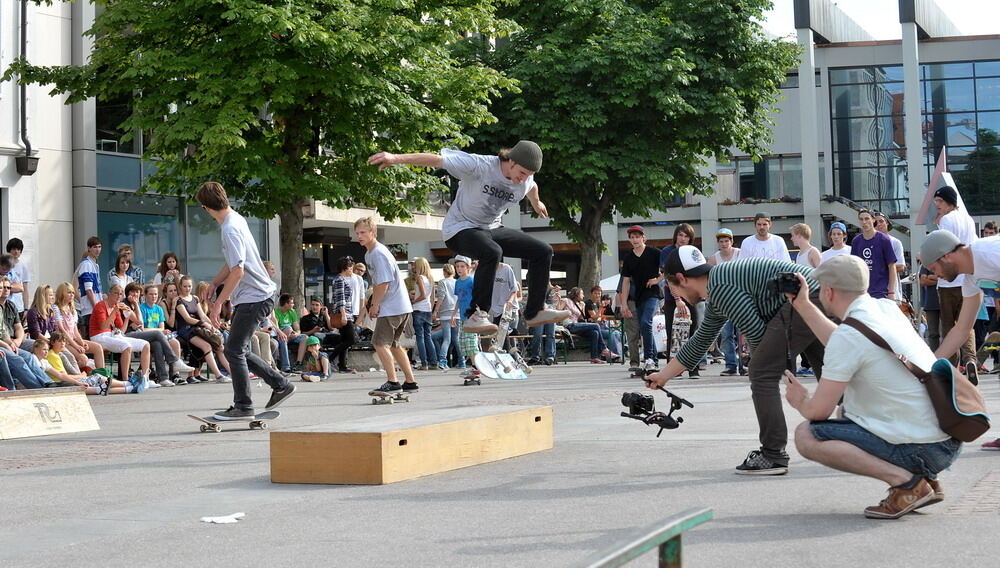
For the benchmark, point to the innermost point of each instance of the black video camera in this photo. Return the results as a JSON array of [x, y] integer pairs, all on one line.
[[784, 283], [641, 407]]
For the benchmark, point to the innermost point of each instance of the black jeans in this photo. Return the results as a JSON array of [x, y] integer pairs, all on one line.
[[489, 246], [245, 321], [347, 338]]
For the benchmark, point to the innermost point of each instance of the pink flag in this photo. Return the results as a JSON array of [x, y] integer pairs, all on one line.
[[940, 168]]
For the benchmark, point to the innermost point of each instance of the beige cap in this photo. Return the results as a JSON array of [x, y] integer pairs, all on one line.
[[844, 272]]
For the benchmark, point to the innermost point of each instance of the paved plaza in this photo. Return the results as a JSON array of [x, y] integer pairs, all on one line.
[[134, 491]]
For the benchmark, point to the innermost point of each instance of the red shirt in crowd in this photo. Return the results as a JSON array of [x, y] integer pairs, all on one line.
[[100, 314]]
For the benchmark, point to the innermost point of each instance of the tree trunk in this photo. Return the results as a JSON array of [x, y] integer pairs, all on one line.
[[591, 244], [290, 232]]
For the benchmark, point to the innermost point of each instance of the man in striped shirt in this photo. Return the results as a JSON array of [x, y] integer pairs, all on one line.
[[738, 291]]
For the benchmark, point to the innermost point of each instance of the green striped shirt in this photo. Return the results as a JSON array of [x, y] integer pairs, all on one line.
[[738, 291]]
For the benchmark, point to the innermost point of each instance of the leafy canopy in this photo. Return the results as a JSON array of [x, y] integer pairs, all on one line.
[[283, 99], [627, 98]]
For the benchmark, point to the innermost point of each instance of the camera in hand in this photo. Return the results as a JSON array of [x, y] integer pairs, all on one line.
[[642, 407], [784, 283]]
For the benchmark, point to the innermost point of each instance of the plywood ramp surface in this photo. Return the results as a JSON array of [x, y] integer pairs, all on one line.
[[396, 446], [44, 412]]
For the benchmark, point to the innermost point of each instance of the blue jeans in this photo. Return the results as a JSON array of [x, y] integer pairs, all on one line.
[[446, 338], [592, 332], [728, 341], [6, 379], [25, 369], [425, 345], [245, 321], [647, 309], [549, 331], [925, 460], [613, 339]]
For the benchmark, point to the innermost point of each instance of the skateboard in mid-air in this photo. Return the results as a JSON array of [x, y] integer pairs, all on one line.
[[257, 422], [498, 365], [382, 397]]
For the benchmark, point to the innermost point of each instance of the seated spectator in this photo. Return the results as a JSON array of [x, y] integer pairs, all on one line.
[[107, 329], [119, 276], [22, 366], [194, 326], [41, 316], [889, 430], [315, 365], [162, 352], [55, 367], [66, 321], [577, 324], [546, 332], [314, 324], [598, 310], [169, 269], [288, 329]]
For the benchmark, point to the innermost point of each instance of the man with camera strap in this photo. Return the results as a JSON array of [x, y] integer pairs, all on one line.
[[750, 293]]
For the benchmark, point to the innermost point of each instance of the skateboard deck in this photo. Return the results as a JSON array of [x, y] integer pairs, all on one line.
[[257, 422], [497, 365], [380, 397]]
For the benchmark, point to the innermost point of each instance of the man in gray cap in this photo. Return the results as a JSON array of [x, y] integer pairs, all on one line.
[[488, 186], [954, 217], [888, 430]]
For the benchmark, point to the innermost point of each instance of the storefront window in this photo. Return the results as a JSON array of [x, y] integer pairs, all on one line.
[[149, 223]]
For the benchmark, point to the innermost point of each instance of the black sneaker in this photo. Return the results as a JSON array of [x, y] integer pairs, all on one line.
[[757, 464], [549, 361], [234, 413], [729, 373], [694, 374], [972, 373], [388, 387], [534, 361], [279, 396], [410, 387]]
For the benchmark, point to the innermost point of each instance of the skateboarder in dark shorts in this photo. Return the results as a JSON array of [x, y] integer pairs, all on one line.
[[246, 284]]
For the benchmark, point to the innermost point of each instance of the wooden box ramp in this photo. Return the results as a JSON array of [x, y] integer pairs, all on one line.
[[395, 447], [45, 412]]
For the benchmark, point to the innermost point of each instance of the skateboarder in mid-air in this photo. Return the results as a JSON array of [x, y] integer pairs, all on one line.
[[488, 186], [246, 284]]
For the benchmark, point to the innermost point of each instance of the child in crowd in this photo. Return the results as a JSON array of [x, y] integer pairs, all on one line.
[[54, 366], [315, 364]]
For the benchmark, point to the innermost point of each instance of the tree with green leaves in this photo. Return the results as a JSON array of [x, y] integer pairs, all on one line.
[[980, 179], [627, 98], [282, 101]]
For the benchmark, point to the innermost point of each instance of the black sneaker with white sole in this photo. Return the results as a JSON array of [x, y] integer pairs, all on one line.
[[234, 413], [972, 373], [757, 464], [279, 395], [389, 387], [410, 387]]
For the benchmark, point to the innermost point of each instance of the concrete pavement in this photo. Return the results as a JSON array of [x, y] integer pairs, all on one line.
[[134, 491]]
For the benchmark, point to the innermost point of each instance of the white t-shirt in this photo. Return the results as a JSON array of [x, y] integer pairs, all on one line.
[[383, 269], [882, 396], [425, 287], [986, 265], [357, 294], [897, 247], [830, 253], [963, 227], [802, 259], [504, 284], [718, 256], [484, 194], [774, 247], [240, 249], [19, 274]]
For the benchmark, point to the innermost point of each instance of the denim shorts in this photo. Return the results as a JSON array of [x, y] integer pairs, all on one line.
[[921, 459]]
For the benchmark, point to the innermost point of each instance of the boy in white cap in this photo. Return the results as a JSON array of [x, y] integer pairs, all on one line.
[[488, 186]]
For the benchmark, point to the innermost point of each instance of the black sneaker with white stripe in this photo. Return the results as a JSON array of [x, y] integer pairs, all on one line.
[[757, 464]]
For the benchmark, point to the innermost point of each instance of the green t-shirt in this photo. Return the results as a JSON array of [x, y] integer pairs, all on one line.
[[285, 318]]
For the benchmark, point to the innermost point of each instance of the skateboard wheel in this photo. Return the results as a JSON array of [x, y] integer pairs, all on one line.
[[255, 426], [374, 401], [263, 426], [217, 429], [204, 428]]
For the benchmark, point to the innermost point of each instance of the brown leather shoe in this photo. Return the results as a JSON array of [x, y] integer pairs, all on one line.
[[938, 493], [901, 501]]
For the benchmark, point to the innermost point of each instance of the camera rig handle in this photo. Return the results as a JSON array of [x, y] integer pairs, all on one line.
[[665, 421]]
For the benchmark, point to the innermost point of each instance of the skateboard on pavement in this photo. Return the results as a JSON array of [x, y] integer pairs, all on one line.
[[257, 422], [381, 397]]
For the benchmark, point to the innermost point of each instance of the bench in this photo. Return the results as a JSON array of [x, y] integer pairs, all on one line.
[[664, 535]]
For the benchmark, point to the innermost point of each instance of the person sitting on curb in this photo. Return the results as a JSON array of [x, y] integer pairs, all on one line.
[[888, 430], [315, 364]]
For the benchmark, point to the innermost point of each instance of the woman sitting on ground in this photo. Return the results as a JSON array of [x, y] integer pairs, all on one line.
[[193, 325], [66, 320]]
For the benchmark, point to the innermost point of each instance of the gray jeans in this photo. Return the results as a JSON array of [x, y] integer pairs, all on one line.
[[245, 321], [633, 337], [159, 350]]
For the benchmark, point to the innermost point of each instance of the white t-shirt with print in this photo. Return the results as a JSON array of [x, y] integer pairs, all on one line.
[[505, 283], [484, 194], [383, 268], [774, 247], [986, 265], [882, 396]]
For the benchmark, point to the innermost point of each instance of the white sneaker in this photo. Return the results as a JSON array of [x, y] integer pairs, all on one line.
[[179, 367], [223, 379], [547, 315], [649, 365], [150, 384], [166, 383], [479, 322]]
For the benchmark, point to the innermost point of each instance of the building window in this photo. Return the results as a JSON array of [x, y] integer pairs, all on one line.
[[773, 177], [110, 135]]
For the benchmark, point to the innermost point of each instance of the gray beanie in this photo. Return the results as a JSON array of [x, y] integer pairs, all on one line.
[[526, 154]]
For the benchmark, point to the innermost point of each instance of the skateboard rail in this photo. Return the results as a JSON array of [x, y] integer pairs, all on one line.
[[664, 535]]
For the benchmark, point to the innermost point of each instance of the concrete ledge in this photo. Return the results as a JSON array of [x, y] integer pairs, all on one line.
[[395, 447], [45, 412]]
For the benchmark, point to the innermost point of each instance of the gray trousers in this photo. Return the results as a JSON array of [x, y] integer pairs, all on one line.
[[633, 337], [245, 321]]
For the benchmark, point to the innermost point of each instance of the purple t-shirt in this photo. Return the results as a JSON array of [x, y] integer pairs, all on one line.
[[878, 254]]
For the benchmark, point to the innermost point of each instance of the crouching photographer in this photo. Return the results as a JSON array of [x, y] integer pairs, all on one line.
[[889, 430], [748, 293]]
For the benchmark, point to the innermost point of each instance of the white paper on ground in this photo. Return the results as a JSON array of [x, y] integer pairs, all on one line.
[[224, 520]]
